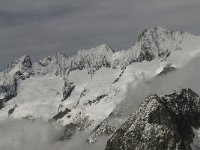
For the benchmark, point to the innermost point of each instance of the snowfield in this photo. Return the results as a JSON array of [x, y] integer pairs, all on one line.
[[38, 97]]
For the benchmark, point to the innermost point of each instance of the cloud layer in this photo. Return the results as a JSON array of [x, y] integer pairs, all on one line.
[[40, 135], [43, 27], [186, 77]]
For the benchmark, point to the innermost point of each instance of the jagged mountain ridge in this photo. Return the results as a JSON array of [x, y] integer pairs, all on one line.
[[152, 43], [91, 84]]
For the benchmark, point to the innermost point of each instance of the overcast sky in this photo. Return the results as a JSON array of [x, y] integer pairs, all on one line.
[[43, 27]]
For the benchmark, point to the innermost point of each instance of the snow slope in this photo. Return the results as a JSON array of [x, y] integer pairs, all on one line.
[[38, 97]]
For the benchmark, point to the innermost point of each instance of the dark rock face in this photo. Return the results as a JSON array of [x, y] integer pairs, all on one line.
[[1, 103], [10, 112], [167, 69], [120, 75], [27, 63], [146, 54], [75, 127], [10, 91], [61, 114], [95, 101], [67, 90], [160, 123]]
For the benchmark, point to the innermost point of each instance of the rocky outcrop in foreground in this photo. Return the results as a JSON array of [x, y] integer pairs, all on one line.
[[160, 123]]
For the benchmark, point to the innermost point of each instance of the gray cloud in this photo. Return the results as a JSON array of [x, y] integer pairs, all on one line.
[[43, 27], [40, 135], [185, 77]]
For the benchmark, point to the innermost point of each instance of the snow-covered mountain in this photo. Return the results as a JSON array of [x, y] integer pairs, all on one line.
[[85, 92]]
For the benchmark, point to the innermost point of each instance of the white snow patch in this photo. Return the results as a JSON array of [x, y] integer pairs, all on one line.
[[38, 97]]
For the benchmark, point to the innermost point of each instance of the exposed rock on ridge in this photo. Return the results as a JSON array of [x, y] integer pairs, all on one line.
[[20, 69], [163, 123]]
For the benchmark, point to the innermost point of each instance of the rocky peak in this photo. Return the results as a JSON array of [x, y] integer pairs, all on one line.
[[51, 65], [153, 43], [58, 58], [157, 42], [92, 59], [20, 69], [183, 102], [151, 31], [157, 32], [26, 62], [164, 122], [23, 64]]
